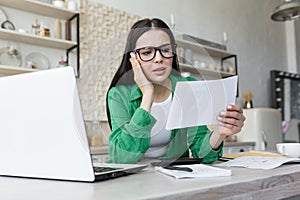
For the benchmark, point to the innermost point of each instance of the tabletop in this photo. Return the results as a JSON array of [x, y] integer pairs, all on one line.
[[244, 183]]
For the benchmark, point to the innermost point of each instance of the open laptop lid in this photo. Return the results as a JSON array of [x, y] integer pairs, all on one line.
[[42, 130]]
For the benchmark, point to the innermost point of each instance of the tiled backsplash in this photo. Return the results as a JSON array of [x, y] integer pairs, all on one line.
[[103, 33]]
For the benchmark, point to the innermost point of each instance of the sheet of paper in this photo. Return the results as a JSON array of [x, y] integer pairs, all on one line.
[[258, 162], [199, 102], [199, 171]]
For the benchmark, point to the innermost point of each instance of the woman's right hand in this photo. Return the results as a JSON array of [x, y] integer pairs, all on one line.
[[144, 84], [141, 80]]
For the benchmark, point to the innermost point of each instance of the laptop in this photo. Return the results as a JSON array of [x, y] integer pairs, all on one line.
[[43, 133]]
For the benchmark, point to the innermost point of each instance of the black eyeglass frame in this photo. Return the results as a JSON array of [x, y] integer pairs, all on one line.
[[173, 47]]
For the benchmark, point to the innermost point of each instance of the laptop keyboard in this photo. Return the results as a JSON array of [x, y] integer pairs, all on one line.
[[104, 169]]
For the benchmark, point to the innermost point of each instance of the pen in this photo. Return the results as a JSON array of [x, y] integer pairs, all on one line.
[[180, 161], [186, 169], [224, 159]]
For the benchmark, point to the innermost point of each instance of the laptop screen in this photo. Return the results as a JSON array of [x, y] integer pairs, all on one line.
[[42, 128]]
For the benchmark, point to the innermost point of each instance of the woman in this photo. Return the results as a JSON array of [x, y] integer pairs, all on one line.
[[139, 98]]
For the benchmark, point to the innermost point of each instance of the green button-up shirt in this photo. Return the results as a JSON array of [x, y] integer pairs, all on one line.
[[131, 128]]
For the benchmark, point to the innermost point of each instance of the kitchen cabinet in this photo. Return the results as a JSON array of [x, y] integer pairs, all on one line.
[[43, 9], [237, 147], [214, 55]]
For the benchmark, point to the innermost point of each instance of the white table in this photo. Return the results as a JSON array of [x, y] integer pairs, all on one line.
[[244, 183]]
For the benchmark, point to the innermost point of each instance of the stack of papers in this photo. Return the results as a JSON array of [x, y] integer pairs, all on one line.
[[258, 162], [199, 171]]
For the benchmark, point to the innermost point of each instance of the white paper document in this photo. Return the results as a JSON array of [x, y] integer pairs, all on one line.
[[258, 162], [199, 171], [198, 103]]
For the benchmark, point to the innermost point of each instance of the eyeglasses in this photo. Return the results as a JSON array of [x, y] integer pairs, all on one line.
[[148, 53]]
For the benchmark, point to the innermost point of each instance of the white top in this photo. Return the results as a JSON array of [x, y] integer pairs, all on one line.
[[160, 137]]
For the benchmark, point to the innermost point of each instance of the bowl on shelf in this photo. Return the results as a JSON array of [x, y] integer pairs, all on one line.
[[37, 60], [10, 56]]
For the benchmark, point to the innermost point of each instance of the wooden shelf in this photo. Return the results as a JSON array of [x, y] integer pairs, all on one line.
[[102, 150], [203, 49], [44, 9], [204, 71], [10, 70], [35, 40], [39, 8]]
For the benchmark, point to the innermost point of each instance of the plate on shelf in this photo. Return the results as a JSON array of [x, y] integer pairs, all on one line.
[[3, 16], [10, 56], [37, 61]]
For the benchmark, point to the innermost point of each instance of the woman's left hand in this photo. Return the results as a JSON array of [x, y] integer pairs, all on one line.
[[231, 121]]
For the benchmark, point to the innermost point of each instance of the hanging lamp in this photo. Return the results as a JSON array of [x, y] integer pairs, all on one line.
[[288, 10]]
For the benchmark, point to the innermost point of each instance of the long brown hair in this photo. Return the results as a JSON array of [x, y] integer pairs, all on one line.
[[124, 74]]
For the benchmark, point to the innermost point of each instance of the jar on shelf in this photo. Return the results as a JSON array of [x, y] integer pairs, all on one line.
[[62, 63], [44, 30], [188, 56], [35, 27], [231, 69], [180, 54], [57, 29], [72, 5], [196, 64], [59, 3]]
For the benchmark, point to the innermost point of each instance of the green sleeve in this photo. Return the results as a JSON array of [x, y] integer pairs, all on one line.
[[198, 138], [130, 137]]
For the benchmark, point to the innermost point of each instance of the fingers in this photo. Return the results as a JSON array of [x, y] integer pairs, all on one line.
[[228, 129], [134, 62], [139, 77], [137, 69], [233, 111], [235, 108], [232, 120]]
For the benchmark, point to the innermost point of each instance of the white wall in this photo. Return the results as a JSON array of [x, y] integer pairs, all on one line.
[[297, 33], [259, 42]]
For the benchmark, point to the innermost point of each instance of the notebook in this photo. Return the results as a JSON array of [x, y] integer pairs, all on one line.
[[42, 130], [197, 171]]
